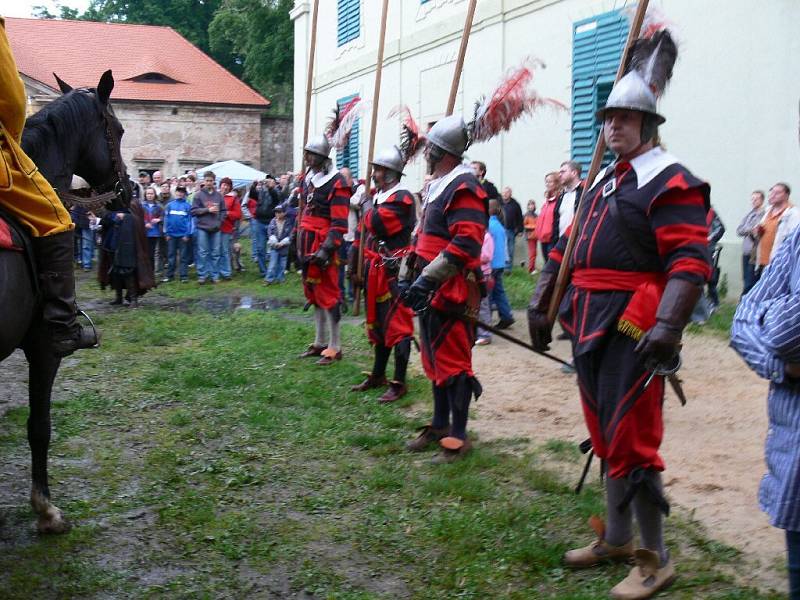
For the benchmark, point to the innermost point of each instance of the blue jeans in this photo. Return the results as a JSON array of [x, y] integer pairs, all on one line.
[[87, 246], [498, 296], [277, 266], [175, 245], [793, 556], [260, 244], [224, 263], [207, 259], [749, 273], [510, 239]]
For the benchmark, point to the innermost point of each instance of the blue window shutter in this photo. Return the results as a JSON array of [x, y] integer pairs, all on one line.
[[348, 20], [597, 45], [348, 157]]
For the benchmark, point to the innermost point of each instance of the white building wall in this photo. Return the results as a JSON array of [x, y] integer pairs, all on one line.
[[731, 108]]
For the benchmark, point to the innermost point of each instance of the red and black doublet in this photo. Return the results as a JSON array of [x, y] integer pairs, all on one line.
[[323, 224], [388, 225], [642, 223], [453, 223]]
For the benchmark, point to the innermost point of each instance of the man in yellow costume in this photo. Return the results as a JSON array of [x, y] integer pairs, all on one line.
[[29, 198]]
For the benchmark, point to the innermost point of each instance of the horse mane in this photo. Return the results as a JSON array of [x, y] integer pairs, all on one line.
[[62, 119]]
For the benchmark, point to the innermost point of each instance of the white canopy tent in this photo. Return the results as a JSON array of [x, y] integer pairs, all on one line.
[[240, 174]]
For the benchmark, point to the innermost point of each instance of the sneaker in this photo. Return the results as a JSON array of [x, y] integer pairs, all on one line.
[[483, 341], [166, 280], [645, 579]]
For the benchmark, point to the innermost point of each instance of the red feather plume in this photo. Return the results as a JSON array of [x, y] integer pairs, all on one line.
[[512, 99], [411, 142]]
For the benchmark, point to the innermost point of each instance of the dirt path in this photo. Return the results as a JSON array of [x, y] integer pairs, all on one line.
[[713, 447]]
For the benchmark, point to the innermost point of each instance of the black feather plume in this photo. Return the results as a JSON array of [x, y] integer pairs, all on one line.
[[653, 58]]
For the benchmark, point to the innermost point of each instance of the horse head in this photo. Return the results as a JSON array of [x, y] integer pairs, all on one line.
[[98, 159]]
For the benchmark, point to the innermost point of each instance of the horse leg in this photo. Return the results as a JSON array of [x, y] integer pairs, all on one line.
[[43, 366]]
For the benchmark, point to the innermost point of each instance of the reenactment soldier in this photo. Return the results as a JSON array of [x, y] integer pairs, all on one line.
[[449, 282], [388, 225], [639, 264], [446, 289], [323, 223], [29, 198]]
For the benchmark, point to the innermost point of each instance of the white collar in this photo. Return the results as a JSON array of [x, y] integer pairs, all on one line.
[[646, 166], [382, 197], [322, 177], [437, 186]]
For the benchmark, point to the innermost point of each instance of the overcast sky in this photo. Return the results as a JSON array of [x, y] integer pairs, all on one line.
[[24, 8]]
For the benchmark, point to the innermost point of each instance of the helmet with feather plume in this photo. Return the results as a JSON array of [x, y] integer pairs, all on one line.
[[647, 73], [337, 132]]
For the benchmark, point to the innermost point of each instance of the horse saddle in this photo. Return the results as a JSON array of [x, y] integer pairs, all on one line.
[[15, 239]]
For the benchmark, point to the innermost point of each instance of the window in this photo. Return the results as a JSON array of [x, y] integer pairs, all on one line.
[[348, 157], [349, 17], [597, 45]]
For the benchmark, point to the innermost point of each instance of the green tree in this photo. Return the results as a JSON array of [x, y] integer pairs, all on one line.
[[258, 37]]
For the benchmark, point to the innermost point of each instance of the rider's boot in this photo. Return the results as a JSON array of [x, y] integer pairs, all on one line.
[[57, 282]]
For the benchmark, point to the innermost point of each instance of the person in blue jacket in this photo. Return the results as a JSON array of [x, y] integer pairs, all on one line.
[[178, 228], [153, 216]]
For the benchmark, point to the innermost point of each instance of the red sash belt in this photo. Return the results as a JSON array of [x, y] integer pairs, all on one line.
[[429, 246], [640, 313], [319, 225]]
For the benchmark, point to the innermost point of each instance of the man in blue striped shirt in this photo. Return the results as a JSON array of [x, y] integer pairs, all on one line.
[[766, 333]]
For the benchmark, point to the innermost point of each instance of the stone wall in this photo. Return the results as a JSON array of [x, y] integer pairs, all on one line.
[[173, 138], [276, 144]]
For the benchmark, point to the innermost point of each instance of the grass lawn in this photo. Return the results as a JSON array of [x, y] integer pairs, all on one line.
[[201, 459]]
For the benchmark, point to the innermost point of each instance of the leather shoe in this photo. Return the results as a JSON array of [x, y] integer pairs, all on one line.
[[369, 383], [428, 435], [453, 449], [329, 357], [504, 323], [312, 350], [396, 391]]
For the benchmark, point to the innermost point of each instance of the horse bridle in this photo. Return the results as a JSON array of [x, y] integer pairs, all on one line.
[[119, 188]]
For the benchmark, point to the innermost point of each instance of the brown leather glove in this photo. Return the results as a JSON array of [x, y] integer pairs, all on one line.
[[661, 343], [539, 326]]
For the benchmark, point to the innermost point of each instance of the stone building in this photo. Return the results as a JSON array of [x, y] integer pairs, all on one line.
[[731, 108], [180, 109]]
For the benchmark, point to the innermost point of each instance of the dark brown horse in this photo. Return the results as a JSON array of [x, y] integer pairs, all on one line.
[[76, 134]]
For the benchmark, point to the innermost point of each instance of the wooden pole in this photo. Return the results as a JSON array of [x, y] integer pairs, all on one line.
[[594, 168], [310, 71], [301, 204], [376, 95], [462, 51]]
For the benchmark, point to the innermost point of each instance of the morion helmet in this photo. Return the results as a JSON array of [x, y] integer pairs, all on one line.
[[632, 93], [319, 145], [390, 158], [450, 134]]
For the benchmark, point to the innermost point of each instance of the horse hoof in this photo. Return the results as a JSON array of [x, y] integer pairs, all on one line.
[[53, 523]]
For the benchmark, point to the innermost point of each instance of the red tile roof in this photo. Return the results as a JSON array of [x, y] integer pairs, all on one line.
[[80, 51]]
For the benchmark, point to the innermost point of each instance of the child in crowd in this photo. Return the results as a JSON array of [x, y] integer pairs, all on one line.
[[178, 229], [279, 234]]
